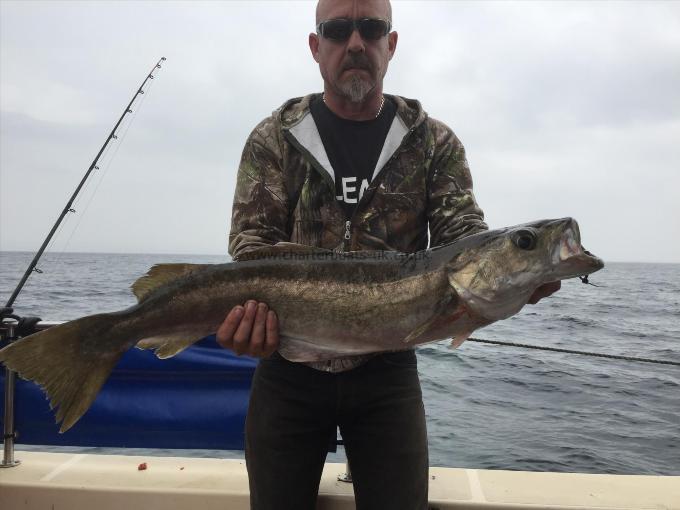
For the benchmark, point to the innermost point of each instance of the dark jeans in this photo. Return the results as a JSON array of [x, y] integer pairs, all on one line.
[[293, 411]]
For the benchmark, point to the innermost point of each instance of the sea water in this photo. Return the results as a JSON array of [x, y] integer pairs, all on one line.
[[487, 406]]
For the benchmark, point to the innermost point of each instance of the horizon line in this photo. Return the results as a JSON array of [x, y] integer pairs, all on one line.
[[230, 258]]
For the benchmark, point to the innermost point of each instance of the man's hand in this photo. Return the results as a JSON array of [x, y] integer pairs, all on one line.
[[252, 329], [544, 290]]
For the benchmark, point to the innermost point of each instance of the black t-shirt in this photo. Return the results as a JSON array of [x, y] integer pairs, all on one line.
[[353, 148]]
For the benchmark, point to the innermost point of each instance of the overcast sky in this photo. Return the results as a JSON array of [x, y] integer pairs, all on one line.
[[565, 109]]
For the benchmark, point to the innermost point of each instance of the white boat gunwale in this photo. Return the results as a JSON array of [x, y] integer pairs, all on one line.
[[84, 481]]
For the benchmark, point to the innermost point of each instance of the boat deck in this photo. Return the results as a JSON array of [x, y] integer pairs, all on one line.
[[113, 482]]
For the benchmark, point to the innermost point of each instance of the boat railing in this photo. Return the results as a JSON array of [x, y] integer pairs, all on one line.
[[8, 331]]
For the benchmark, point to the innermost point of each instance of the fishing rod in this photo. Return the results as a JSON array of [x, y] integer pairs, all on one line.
[[112, 136], [26, 325]]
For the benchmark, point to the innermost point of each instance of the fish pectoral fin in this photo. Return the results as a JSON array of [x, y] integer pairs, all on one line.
[[439, 311], [166, 346], [419, 330], [282, 249], [161, 274], [459, 339]]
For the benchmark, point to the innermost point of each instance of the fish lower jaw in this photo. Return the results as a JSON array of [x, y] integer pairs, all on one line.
[[576, 264], [572, 260]]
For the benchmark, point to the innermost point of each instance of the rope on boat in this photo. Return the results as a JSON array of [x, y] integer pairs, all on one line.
[[571, 351], [31, 325]]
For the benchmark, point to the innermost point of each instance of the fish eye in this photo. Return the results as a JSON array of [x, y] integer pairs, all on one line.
[[525, 239]]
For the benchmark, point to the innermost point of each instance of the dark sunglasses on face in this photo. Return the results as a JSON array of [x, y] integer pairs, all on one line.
[[370, 29]]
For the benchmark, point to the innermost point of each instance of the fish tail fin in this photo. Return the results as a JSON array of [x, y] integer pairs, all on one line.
[[70, 362]]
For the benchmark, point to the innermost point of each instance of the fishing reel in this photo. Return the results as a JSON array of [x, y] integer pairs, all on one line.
[[13, 326]]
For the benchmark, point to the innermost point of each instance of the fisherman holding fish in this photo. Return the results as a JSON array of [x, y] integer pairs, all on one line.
[[349, 169], [336, 197]]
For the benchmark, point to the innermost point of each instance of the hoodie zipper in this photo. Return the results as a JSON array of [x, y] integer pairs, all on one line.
[[347, 245], [348, 236]]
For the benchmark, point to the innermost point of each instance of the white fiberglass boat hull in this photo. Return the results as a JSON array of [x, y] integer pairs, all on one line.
[[111, 482]]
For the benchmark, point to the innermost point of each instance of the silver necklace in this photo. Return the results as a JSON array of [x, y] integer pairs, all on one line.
[[382, 103]]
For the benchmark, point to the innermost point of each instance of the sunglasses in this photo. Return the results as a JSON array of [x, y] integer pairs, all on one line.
[[370, 29]]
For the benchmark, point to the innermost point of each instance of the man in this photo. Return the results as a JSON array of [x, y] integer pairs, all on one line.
[[349, 169]]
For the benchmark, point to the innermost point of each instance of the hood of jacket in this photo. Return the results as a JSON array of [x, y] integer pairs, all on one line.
[[297, 123]]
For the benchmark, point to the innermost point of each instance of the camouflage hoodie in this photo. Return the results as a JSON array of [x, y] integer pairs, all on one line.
[[285, 189]]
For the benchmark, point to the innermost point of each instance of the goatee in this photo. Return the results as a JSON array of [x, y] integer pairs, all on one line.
[[356, 89]]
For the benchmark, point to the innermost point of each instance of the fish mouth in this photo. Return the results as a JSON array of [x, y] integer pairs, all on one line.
[[571, 257]]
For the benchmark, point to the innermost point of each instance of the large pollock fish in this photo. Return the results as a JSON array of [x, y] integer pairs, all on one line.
[[329, 304]]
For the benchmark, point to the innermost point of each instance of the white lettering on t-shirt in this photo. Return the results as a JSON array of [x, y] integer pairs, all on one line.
[[349, 190]]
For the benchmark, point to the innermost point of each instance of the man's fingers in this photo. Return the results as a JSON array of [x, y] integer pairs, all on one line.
[[257, 336], [242, 335], [225, 333], [251, 329], [272, 336]]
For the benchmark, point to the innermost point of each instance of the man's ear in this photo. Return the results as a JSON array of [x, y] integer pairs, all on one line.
[[392, 43], [314, 46]]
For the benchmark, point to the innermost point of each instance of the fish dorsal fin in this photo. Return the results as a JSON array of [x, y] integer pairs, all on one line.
[[282, 249], [161, 274]]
